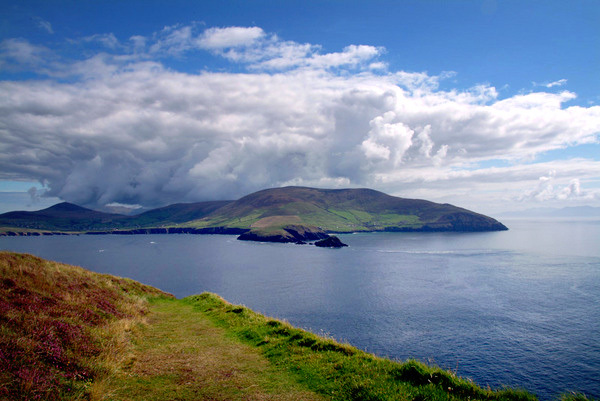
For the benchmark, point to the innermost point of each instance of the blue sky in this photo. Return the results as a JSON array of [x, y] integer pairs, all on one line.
[[490, 105]]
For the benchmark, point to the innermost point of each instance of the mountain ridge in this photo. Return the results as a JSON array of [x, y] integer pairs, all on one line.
[[287, 214], [67, 216], [346, 210]]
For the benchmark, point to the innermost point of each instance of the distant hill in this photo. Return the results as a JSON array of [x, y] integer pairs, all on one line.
[[62, 217], [177, 213], [69, 217], [279, 214], [548, 212], [343, 210]]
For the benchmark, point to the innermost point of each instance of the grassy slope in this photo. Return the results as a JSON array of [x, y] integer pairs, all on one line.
[[66, 333], [183, 355], [174, 214], [311, 211], [61, 326], [340, 371], [346, 210]]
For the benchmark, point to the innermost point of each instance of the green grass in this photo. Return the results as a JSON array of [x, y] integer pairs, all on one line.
[[340, 371], [70, 334], [225, 221], [332, 219], [351, 220], [181, 354]]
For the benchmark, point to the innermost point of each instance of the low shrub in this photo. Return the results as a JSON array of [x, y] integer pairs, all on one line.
[[54, 322]]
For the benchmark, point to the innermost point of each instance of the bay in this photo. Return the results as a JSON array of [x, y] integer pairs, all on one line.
[[519, 308]]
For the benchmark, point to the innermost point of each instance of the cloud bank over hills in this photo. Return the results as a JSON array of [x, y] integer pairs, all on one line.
[[121, 123]]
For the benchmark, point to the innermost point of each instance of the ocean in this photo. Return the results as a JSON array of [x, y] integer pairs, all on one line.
[[518, 308]]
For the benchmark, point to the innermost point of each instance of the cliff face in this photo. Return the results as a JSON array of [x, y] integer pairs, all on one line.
[[331, 242], [463, 221], [460, 222]]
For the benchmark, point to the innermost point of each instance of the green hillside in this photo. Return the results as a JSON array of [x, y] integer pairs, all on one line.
[[174, 214], [343, 210]]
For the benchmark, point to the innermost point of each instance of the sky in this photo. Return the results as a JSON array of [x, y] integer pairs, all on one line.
[[486, 104]]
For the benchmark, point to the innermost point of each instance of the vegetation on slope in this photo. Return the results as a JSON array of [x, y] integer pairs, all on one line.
[[61, 327], [340, 371], [269, 213], [67, 217], [344, 210], [174, 214], [180, 354]]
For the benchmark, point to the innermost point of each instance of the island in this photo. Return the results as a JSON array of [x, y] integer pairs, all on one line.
[[286, 215]]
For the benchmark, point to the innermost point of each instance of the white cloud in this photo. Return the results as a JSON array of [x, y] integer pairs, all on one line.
[[573, 190], [19, 53], [139, 43], [544, 190], [222, 38], [351, 56], [173, 40], [378, 65], [267, 52], [135, 132], [560, 82], [108, 40], [45, 25], [124, 205], [547, 190], [440, 155], [387, 140], [426, 142]]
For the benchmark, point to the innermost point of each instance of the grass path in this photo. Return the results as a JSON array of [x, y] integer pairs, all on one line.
[[181, 355]]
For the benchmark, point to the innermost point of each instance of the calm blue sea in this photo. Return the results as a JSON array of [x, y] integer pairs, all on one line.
[[519, 308]]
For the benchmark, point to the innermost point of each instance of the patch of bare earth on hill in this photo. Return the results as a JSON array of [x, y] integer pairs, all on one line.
[[276, 221], [181, 355]]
